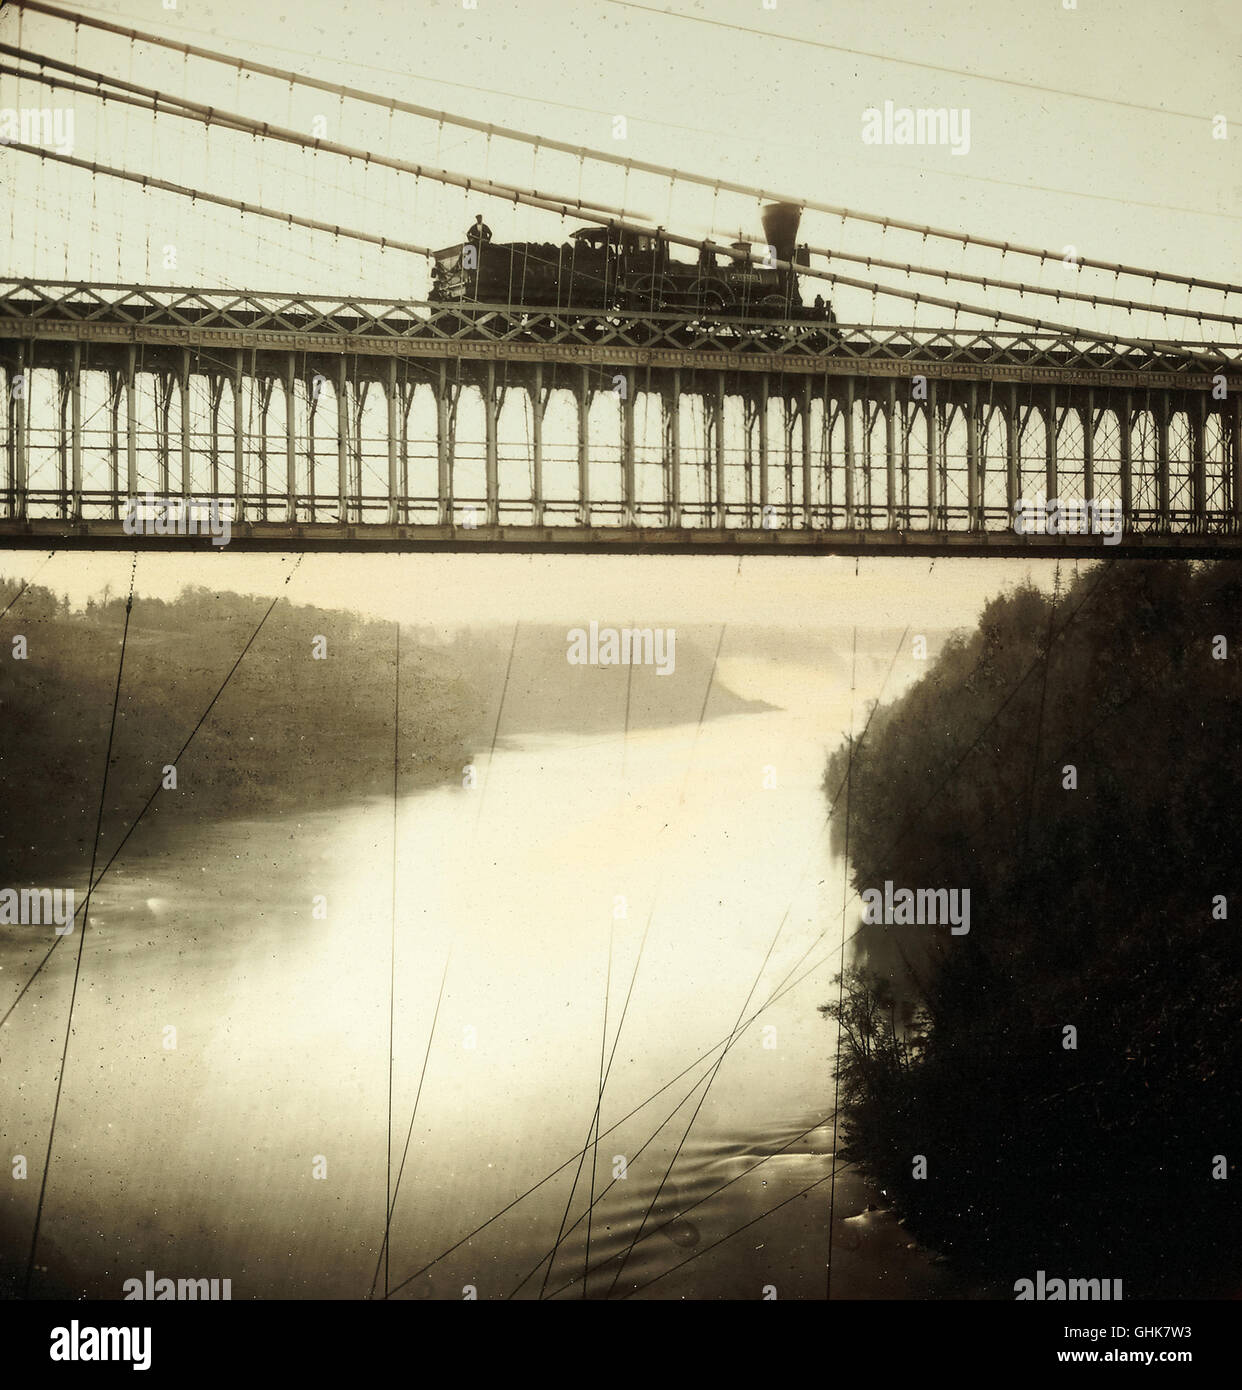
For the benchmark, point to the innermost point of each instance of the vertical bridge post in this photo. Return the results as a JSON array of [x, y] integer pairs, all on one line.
[[1235, 456], [536, 484], [493, 465], [808, 477], [847, 420], [933, 469], [444, 451], [390, 392], [19, 433], [763, 450], [215, 389], [1013, 431], [674, 448], [342, 441], [239, 438], [629, 516], [131, 421], [114, 444], [974, 466], [75, 425], [183, 403], [1162, 456], [1051, 434], [291, 438], [890, 452], [1197, 415], [1087, 415], [1125, 416], [584, 448]]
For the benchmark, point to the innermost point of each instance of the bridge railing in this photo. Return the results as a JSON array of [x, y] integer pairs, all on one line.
[[40, 305]]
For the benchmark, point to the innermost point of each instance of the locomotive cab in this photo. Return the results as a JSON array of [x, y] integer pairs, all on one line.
[[628, 269]]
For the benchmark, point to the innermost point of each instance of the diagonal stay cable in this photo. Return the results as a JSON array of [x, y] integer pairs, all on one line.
[[746, 1172], [707, 695], [698, 1254], [777, 994], [729, 1043], [27, 584], [159, 785], [646, 1144], [719, 1062], [685, 783], [500, 709], [594, 1119], [797, 887], [699, 1105], [383, 1255], [394, 1189], [781, 990], [637, 1154], [603, 1078], [77, 969], [593, 1126], [594, 1123], [603, 1043]]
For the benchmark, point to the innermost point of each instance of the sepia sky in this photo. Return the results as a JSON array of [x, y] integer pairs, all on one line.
[[736, 90]]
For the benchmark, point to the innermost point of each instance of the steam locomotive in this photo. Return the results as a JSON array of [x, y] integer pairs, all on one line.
[[603, 267]]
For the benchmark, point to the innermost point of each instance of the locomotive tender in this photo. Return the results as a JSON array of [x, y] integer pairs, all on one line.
[[604, 268]]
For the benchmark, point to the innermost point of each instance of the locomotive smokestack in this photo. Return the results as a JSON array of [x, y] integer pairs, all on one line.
[[780, 228]]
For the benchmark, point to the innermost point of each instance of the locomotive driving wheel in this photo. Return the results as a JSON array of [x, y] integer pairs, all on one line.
[[649, 293], [710, 296]]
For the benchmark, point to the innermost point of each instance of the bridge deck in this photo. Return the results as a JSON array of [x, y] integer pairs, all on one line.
[[802, 438]]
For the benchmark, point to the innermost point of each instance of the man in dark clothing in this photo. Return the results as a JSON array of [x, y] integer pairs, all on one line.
[[480, 233]]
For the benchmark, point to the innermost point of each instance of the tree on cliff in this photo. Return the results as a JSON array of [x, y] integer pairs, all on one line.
[[1071, 1068]]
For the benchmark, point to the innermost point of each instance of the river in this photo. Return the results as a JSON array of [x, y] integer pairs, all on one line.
[[253, 1143]]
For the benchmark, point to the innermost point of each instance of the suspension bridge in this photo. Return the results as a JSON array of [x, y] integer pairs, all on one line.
[[343, 422], [338, 421]]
